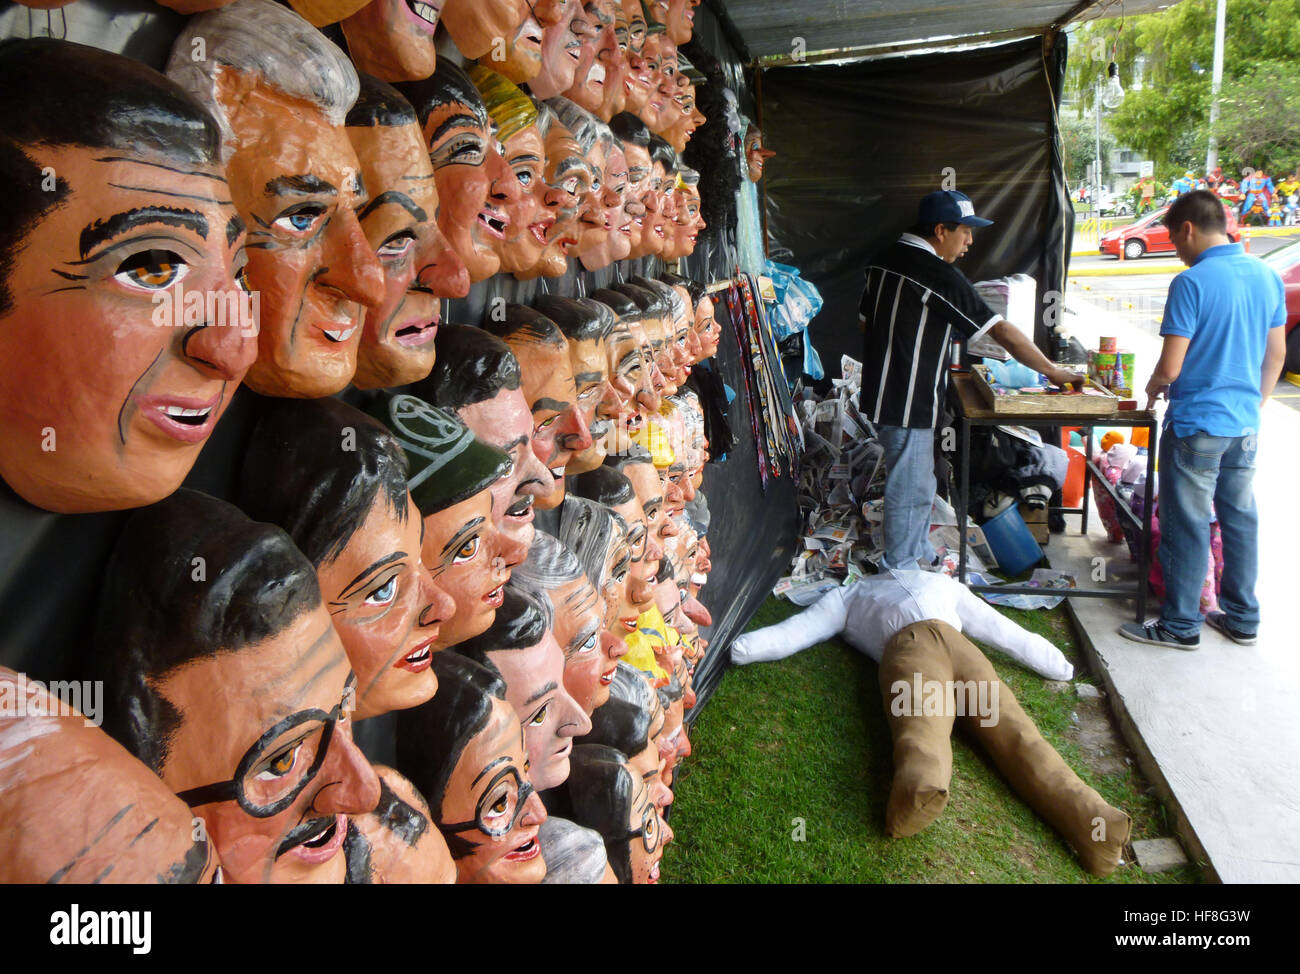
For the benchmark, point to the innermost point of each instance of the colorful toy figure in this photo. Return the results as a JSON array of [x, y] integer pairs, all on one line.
[[281, 93], [122, 250], [1259, 191]]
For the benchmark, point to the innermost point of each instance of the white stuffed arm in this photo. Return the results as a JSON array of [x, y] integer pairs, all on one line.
[[981, 621], [820, 621]]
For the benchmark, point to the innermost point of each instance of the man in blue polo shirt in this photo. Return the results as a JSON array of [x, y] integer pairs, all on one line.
[[1223, 352]]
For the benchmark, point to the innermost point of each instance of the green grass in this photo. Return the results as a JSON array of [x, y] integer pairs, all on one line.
[[806, 739]]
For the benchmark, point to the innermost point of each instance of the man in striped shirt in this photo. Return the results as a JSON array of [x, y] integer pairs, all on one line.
[[914, 302]]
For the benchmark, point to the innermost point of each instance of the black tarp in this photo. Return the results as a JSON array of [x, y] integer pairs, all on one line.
[[859, 144]]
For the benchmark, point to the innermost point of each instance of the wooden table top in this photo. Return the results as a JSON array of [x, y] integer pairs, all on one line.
[[972, 406]]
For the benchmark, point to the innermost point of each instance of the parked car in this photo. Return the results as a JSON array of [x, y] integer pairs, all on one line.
[[1286, 261], [1149, 236]]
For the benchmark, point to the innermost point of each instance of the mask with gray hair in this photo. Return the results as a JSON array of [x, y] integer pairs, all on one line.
[[267, 40], [574, 854]]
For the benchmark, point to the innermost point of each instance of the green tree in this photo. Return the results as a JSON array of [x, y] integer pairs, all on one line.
[[1168, 119], [1259, 119], [1079, 137]]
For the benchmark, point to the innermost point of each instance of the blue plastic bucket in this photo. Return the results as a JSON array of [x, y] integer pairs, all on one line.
[[1013, 545]]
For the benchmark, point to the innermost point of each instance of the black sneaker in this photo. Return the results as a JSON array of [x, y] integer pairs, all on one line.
[[1219, 621], [1154, 634]]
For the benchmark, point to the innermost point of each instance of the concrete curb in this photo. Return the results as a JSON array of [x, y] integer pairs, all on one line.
[[1141, 752]]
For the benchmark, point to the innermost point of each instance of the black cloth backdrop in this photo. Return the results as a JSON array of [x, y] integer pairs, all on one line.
[[51, 564], [858, 145]]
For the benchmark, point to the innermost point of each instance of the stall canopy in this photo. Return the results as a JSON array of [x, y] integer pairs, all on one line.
[[853, 28]]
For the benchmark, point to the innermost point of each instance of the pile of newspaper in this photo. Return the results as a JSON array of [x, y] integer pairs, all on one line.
[[841, 483]]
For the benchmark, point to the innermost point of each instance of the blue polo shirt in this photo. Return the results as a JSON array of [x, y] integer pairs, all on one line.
[[1225, 304]]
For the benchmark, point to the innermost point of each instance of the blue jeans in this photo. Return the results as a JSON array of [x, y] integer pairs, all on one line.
[[909, 495], [1195, 470]]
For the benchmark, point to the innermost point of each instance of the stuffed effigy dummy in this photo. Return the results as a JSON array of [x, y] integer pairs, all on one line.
[[281, 92], [576, 614], [464, 751], [609, 797], [471, 174], [335, 480], [560, 431], [117, 212], [528, 217], [228, 680], [477, 377], [77, 808], [917, 624], [586, 326], [451, 475], [397, 843], [420, 266], [393, 39], [476, 25], [521, 647]]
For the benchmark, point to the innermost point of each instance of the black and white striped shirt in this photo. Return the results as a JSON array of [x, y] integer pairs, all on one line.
[[912, 302]]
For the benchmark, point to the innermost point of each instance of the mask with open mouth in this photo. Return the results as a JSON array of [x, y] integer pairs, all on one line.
[[521, 60], [559, 429], [268, 762], [393, 39], [475, 25], [420, 268], [351, 515], [113, 381], [522, 648], [524, 216], [464, 750], [466, 163], [281, 91]]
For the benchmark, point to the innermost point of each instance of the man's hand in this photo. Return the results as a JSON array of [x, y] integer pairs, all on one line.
[[1062, 377], [1156, 389]]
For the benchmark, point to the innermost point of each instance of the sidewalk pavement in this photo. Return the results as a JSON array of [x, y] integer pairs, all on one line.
[[1216, 730]]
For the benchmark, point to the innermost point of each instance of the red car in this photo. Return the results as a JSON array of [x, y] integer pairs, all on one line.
[[1149, 236], [1286, 261]]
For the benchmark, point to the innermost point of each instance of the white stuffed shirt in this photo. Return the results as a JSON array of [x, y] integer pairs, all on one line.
[[870, 612]]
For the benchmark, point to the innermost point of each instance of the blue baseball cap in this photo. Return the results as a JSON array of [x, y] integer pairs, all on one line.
[[948, 206]]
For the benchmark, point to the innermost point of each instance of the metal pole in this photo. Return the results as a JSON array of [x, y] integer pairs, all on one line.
[[1212, 151], [1096, 162]]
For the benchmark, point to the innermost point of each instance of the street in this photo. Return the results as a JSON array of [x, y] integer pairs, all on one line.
[[1136, 302]]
